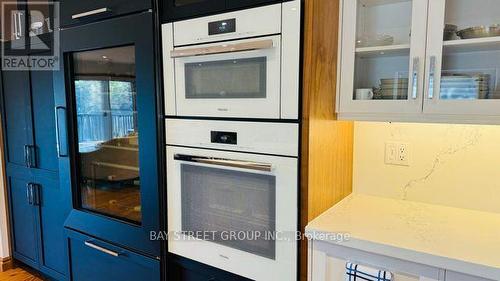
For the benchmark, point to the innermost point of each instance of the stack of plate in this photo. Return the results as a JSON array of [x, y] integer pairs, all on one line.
[[463, 86], [393, 89]]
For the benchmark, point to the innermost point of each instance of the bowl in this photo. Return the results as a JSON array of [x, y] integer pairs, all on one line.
[[450, 31], [479, 31]]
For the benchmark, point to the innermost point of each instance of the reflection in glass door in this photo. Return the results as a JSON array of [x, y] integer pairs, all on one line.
[[383, 54], [471, 55], [382, 50], [108, 147]]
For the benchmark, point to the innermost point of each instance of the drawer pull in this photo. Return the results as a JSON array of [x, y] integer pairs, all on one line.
[[90, 13], [101, 249]]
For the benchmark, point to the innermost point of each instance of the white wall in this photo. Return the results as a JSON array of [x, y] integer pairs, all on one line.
[[454, 165], [4, 232]]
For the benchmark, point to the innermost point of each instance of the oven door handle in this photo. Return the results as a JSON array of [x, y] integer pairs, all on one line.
[[225, 162], [224, 48]]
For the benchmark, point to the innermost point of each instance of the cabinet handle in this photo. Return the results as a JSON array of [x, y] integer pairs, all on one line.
[[35, 191], [31, 156], [16, 27], [26, 148], [416, 68], [20, 29], [432, 77], [29, 193], [62, 151], [90, 13], [101, 249], [29, 159]]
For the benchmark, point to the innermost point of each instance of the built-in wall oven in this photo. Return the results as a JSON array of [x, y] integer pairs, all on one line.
[[241, 64], [232, 195]]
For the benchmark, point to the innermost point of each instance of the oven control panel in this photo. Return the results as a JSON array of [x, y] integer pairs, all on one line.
[[224, 137], [221, 27]]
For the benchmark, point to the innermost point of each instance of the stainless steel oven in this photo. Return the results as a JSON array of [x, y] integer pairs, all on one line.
[[232, 65], [232, 209]]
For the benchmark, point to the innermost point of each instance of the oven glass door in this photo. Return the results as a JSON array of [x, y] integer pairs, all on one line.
[[215, 80], [232, 207]]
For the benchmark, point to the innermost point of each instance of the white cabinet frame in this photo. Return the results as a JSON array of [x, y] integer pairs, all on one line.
[[427, 46], [347, 63], [435, 46]]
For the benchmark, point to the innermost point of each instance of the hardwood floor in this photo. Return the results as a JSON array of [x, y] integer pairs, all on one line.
[[18, 274]]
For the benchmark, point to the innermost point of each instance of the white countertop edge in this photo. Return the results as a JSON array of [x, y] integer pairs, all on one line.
[[414, 256]]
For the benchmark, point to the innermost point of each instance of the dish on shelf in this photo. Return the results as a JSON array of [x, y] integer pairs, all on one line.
[[480, 31], [378, 40], [392, 89], [450, 30], [464, 86]]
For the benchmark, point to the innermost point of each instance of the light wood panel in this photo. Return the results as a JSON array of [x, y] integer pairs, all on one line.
[[18, 274], [327, 144]]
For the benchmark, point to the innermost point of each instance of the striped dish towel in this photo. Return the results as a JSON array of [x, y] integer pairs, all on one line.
[[356, 272]]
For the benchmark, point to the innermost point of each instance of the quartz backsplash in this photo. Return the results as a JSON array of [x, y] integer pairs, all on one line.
[[452, 165]]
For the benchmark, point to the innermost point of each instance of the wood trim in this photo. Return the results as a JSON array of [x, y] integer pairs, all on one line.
[[327, 144], [6, 264]]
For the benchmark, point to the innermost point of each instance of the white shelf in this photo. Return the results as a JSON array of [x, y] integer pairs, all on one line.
[[390, 50], [472, 45]]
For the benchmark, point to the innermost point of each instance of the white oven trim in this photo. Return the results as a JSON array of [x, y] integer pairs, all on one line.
[[284, 267], [254, 22], [290, 61], [268, 107]]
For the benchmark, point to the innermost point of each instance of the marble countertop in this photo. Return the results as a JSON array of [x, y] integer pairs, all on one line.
[[460, 240]]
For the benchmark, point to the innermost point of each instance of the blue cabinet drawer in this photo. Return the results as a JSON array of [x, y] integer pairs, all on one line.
[[95, 260], [74, 12]]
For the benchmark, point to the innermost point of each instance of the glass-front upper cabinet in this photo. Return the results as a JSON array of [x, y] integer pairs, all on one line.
[[382, 56], [463, 68]]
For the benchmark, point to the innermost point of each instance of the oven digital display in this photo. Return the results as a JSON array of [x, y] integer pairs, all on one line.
[[222, 26]]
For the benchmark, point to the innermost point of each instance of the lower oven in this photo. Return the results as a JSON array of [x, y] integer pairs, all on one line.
[[234, 211]]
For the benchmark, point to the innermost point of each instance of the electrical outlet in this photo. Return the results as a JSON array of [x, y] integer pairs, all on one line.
[[397, 153]]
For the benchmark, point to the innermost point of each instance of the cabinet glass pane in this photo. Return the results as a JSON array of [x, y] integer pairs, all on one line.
[[382, 49], [108, 146], [471, 52], [227, 79], [219, 201]]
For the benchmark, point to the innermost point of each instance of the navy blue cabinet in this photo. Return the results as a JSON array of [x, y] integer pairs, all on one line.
[[74, 12], [95, 260], [24, 224], [44, 150], [184, 9], [36, 202], [48, 203], [17, 113], [107, 130]]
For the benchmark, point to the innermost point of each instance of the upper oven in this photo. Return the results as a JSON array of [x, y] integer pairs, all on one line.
[[231, 65]]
